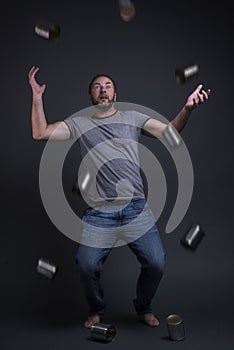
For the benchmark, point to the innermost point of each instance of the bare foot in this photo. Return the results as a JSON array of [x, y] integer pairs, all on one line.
[[150, 320], [91, 320]]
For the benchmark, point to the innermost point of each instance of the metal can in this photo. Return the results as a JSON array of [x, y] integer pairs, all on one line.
[[186, 73], [46, 268], [192, 237], [103, 331], [175, 327]]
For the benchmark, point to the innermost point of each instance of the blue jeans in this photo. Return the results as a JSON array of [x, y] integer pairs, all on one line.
[[148, 249]]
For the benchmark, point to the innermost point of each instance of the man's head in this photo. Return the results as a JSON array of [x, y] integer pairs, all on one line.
[[102, 91]]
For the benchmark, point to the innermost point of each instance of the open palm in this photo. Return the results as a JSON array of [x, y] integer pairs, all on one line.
[[36, 88]]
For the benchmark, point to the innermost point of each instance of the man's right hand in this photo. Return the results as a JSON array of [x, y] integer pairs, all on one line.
[[37, 89], [41, 130]]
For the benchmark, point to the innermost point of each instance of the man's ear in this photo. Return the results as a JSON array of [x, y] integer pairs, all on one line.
[[115, 97]]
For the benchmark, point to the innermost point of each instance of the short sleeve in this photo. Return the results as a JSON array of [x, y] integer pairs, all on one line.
[[70, 126], [140, 119]]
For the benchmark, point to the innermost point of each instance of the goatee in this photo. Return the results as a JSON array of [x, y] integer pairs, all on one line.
[[103, 107]]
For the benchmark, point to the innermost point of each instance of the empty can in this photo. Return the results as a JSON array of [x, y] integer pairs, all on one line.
[[188, 73], [102, 331], [192, 237], [175, 327], [46, 268]]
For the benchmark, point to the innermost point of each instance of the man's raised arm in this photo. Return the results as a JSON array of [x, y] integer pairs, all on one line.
[[197, 97], [41, 130], [155, 128]]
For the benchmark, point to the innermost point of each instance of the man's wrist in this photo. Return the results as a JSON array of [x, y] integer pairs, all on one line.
[[37, 97], [188, 108]]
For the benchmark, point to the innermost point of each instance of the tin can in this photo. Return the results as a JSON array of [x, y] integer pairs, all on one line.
[[46, 268], [103, 331], [186, 73], [193, 237], [175, 327]]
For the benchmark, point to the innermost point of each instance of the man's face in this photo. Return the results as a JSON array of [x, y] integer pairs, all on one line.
[[102, 93]]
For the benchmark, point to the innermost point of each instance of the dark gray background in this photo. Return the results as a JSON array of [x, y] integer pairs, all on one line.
[[141, 55]]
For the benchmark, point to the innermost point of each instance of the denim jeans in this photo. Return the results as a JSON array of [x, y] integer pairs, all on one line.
[[147, 247]]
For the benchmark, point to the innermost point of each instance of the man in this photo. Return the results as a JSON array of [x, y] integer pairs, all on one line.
[[112, 207]]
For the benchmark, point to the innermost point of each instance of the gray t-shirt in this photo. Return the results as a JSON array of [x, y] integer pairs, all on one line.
[[109, 151]]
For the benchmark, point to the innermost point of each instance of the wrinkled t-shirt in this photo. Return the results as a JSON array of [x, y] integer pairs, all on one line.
[[110, 155]]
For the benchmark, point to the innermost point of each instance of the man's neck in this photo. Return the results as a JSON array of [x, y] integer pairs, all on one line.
[[103, 114]]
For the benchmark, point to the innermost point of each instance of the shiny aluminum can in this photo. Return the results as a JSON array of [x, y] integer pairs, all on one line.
[[175, 327], [187, 73], [172, 137], [46, 268], [193, 237], [103, 331]]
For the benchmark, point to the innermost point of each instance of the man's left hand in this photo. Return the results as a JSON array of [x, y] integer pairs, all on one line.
[[197, 97]]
